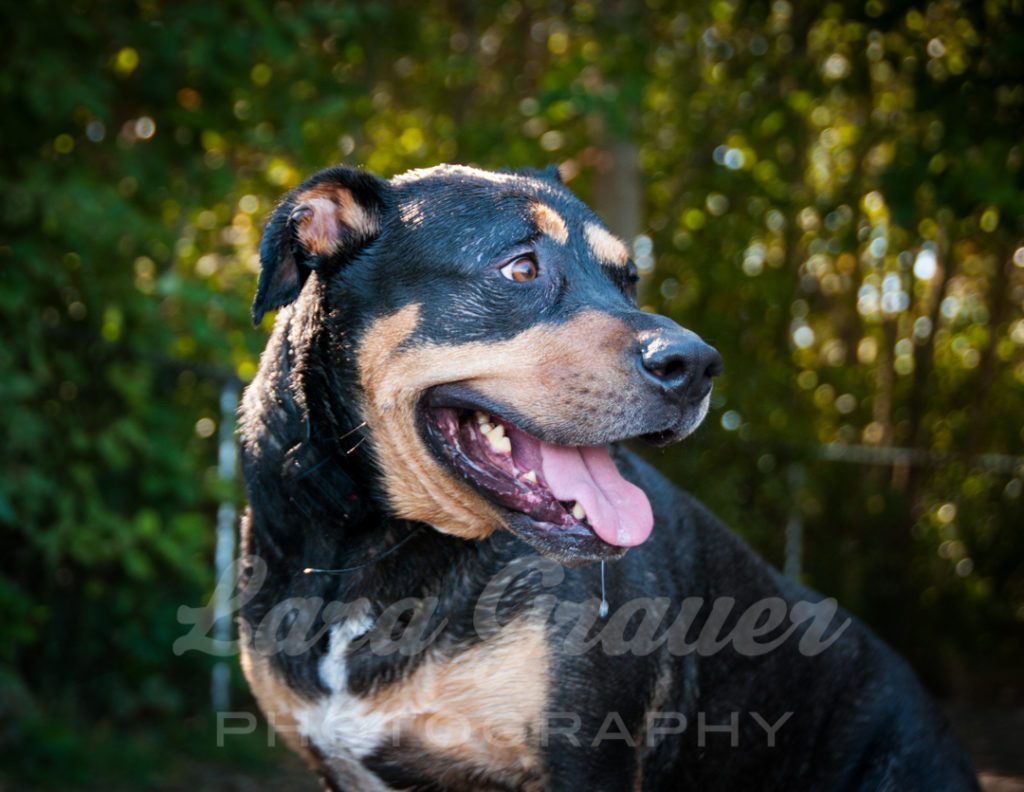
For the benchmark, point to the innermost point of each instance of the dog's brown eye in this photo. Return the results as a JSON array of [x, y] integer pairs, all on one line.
[[522, 269]]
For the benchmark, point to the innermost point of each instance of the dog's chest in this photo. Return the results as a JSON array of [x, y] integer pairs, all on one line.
[[472, 712]]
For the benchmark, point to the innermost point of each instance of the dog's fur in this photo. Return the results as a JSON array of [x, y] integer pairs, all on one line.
[[443, 652]]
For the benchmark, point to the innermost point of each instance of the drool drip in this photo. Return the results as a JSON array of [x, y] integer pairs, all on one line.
[[604, 600]]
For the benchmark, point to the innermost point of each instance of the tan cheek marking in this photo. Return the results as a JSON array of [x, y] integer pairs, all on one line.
[[549, 372], [477, 707], [332, 206], [555, 373], [419, 488], [606, 247], [550, 222]]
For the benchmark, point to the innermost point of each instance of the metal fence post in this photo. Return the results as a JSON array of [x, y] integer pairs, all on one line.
[[220, 680]]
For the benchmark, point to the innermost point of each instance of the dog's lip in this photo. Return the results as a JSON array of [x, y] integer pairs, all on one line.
[[570, 546], [662, 438], [464, 397]]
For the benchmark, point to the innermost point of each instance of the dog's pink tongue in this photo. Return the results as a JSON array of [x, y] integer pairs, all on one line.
[[618, 511]]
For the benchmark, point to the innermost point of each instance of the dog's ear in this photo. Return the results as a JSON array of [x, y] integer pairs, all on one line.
[[550, 174], [319, 225], [553, 174]]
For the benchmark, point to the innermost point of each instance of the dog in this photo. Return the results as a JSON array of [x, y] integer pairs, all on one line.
[[455, 577]]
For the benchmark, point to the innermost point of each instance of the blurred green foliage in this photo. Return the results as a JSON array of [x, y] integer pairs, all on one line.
[[832, 194]]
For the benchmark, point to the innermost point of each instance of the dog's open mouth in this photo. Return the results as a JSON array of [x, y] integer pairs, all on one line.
[[569, 501]]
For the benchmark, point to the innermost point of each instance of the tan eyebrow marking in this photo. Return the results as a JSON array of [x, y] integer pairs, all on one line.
[[607, 247], [550, 222]]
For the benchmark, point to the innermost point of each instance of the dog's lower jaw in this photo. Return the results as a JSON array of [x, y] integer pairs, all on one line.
[[439, 509], [569, 549]]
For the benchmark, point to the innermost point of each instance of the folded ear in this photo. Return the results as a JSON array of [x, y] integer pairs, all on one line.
[[321, 223]]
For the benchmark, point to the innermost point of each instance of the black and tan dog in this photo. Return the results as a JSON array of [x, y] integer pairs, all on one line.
[[457, 357]]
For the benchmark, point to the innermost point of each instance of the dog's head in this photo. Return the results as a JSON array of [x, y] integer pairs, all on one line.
[[490, 324]]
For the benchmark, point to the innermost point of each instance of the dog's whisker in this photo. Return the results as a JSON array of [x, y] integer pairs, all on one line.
[[385, 554], [352, 431], [353, 448]]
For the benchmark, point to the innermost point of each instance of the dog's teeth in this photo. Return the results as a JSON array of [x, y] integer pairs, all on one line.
[[499, 430], [500, 443], [486, 428], [577, 511], [531, 476], [482, 417]]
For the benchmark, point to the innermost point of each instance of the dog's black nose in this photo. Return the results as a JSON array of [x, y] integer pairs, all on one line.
[[680, 362]]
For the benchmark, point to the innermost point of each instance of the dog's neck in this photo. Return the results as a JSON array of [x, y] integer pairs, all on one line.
[[304, 448]]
